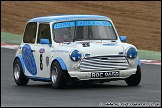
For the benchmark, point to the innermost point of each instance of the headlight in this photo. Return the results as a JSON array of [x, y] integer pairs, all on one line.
[[131, 53], [75, 55]]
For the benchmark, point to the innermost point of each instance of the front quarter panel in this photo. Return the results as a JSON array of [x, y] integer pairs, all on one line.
[[133, 62]]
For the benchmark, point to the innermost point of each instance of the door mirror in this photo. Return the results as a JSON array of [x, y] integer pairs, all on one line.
[[45, 41], [122, 38]]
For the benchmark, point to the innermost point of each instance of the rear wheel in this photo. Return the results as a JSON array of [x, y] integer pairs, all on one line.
[[58, 76], [134, 79], [19, 77]]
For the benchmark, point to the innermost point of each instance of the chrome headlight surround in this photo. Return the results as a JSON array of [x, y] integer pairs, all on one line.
[[75, 55], [131, 53]]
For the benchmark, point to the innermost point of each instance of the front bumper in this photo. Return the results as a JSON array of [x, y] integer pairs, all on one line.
[[88, 75]]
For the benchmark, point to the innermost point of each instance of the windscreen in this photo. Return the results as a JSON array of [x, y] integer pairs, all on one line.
[[83, 30]]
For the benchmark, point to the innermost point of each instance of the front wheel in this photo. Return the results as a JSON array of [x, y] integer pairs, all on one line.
[[58, 76], [134, 79], [19, 77]]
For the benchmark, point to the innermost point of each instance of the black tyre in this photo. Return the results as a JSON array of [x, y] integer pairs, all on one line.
[[59, 77], [134, 79], [19, 77]]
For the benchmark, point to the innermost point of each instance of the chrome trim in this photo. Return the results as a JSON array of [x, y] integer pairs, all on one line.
[[104, 63]]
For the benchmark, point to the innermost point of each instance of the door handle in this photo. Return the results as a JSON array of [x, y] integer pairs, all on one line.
[[32, 50]]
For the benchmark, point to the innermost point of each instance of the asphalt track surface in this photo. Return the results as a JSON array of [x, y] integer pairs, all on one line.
[[41, 94]]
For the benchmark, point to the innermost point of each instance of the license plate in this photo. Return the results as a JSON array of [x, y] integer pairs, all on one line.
[[104, 74]]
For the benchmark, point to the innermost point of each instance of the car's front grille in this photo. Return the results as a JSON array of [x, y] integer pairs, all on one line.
[[104, 63]]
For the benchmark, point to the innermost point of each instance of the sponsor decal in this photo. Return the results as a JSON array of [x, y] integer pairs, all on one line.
[[64, 24], [93, 23], [47, 61], [60, 51], [42, 50], [82, 23], [29, 59]]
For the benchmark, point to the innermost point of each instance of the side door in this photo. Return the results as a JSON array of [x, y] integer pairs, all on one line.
[[42, 52], [29, 39]]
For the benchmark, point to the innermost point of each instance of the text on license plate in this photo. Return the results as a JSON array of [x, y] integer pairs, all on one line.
[[104, 74]]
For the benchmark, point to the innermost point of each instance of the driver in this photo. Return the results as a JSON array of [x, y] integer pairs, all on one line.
[[63, 35], [67, 34]]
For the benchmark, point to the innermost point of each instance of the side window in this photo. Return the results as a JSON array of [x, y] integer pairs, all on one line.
[[30, 32], [44, 32]]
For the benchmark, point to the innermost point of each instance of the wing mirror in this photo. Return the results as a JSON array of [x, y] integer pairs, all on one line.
[[122, 38], [45, 41]]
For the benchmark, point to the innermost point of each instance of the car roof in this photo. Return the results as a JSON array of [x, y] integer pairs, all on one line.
[[58, 17]]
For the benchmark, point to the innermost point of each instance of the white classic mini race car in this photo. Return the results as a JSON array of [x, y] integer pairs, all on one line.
[[67, 48]]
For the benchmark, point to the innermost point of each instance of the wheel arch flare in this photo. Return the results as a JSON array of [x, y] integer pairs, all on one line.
[[22, 62], [61, 62]]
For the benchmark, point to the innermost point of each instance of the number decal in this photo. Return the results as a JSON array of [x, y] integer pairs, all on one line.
[[41, 64]]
